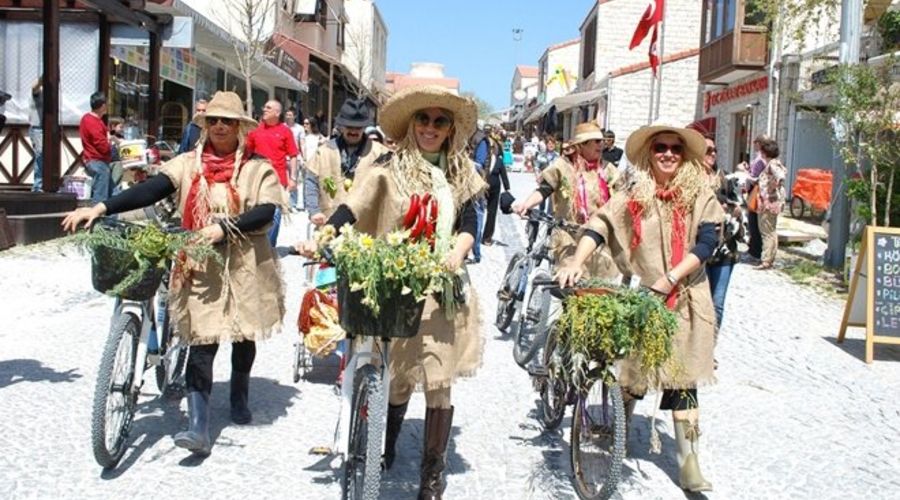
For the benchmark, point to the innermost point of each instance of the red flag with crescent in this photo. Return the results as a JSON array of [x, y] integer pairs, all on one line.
[[652, 16]]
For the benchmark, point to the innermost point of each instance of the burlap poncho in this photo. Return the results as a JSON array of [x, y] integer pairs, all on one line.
[[444, 349], [563, 178], [245, 299], [326, 164], [693, 344]]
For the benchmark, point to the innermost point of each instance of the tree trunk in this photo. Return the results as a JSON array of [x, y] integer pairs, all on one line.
[[890, 192], [249, 88]]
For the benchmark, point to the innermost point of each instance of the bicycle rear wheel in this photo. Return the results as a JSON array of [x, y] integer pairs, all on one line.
[[114, 400], [598, 441], [506, 296], [553, 388], [362, 465], [533, 322]]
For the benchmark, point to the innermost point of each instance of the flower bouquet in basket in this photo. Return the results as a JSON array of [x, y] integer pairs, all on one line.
[[602, 324], [128, 260], [382, 282]]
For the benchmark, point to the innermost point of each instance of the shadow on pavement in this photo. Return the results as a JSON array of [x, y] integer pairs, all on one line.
[[14, 371], [161, 418], [857, 349]]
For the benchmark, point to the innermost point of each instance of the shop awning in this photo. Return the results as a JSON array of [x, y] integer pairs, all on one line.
[[570, 101], [537, 112], [706, 126], [211, 39]]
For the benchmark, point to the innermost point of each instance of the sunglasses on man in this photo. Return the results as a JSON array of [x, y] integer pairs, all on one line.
[[212, 121], [440, 122], [661, 147]]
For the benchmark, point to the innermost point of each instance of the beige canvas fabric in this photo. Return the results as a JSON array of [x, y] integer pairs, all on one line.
[[695, 339], [562, 177], [444, 349], [327, 164], [249, 304]]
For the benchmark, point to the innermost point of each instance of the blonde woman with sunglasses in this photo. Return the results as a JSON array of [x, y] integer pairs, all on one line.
[[431, 127], [662, 229]]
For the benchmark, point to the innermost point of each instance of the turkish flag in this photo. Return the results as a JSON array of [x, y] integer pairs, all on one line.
[[653, 53], [652, 16]]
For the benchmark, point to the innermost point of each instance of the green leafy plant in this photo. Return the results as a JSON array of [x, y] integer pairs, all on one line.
[[595, 330], [330, 186], [138, 249], [889, 29], [382, 267]]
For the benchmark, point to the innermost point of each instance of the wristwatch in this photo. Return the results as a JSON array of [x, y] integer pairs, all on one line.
[[672, 279]]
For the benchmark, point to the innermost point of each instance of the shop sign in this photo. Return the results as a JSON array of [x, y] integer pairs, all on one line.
[[179, 34], [717, 97]]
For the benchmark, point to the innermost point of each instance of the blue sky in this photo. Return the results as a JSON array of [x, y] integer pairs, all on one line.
[[474, 39]]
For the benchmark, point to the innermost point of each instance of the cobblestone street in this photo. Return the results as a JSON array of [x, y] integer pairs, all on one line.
[[794, 415]]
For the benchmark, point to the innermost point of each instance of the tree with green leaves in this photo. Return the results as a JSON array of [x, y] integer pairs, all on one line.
[[868, 106], [484, 107]]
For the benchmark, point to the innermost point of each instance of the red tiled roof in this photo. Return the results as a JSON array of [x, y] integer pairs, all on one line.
[[527, 71], [563, 44]]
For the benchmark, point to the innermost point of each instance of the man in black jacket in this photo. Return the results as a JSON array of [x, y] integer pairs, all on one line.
[[611, 153], [496, 177]]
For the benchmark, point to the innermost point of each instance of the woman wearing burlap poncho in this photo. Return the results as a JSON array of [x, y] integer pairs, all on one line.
[[431, 127], [663, 229], [229, 200], [577, 190]]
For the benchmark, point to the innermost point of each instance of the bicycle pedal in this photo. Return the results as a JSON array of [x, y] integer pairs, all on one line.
[[320, 450], [539, 371]]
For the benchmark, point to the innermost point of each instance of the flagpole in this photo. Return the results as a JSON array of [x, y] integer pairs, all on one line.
[[652, 97], [662, 55]]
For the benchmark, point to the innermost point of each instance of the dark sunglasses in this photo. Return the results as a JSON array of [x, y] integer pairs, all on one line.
[[440, 123], [661, 147], [212, 121], [711, 151]]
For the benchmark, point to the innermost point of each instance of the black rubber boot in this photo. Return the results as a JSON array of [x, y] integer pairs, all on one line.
[[196, 437], [438, 422], [395, 416], [240, 393]]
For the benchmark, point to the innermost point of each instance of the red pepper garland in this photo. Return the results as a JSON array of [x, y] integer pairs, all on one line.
[[421, 218]]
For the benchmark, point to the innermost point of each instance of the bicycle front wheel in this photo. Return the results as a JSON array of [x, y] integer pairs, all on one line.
[[537, 308], [362, 465], [172, 355], [506, 296], [114, 400], [598, 441], [553, 388]]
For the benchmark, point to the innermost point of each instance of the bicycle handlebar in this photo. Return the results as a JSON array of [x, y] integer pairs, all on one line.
[[536, 215], [554, 285]]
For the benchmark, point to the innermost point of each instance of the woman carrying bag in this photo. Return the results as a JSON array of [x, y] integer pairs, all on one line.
[[496, 178]]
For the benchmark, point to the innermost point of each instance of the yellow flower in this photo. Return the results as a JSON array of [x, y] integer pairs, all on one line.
[[400, 262], [348, 183], [395, 238], [405, 291], [367, 241], [356, 286]]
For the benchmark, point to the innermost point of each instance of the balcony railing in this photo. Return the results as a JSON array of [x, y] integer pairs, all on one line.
[[734, 55]]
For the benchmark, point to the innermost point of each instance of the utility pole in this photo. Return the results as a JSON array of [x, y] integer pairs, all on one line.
[[839, 225]]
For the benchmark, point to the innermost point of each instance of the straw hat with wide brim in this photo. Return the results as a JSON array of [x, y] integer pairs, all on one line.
[[400, 108], [224, 105], [694, 143], [586, 132]]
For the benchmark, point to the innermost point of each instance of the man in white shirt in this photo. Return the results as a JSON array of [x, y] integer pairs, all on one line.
[[290, 117]]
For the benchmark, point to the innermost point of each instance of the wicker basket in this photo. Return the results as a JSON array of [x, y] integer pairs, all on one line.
[[399, 318]]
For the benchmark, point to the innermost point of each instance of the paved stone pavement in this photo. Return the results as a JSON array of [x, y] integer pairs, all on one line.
[[793, 416]]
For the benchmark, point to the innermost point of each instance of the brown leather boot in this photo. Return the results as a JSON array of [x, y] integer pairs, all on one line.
[[394, 423], [438, 422]]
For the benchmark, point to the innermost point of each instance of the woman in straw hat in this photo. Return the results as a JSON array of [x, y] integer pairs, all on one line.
[[577, 187], [662, 229], [431, 127], [229, 199]]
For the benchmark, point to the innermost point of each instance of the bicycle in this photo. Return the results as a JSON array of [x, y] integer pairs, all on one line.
[[359, 435], [597, 439], [128, 354], [512, 286], [534, 314]]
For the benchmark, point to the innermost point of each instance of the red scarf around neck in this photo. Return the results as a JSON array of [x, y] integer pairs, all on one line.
[[216, 169], [679, 230]]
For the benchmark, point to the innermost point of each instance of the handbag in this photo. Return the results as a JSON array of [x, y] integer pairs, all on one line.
[[753, 199]]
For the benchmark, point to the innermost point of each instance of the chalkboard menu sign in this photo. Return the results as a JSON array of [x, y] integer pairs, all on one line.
[[886, 302], [874, 301]]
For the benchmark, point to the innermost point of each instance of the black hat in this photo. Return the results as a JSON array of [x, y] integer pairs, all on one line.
[[354, 114]]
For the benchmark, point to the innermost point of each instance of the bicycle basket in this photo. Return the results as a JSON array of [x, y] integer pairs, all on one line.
[[110, 266], [400, 314]]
